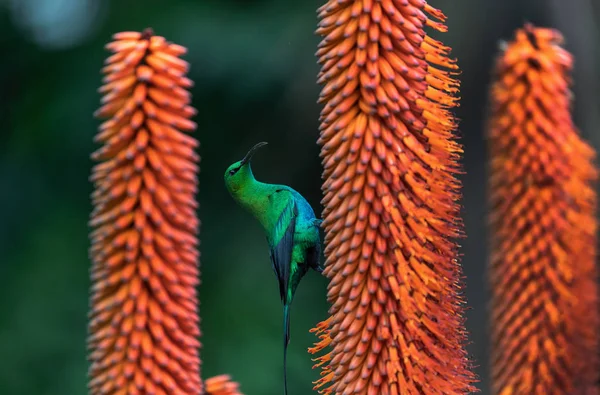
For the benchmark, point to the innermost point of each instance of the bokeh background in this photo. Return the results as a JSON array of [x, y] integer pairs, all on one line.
[[254, 68]]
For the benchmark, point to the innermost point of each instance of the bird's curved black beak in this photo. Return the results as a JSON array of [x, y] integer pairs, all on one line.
[[250, 153]]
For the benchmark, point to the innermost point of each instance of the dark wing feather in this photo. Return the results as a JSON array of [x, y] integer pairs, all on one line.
[[313, 258], [282, 245], [313, 254]]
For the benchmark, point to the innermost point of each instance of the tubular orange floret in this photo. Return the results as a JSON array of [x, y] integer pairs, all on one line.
[[390, 158], [221, 385], [543, 273], [143, 330]]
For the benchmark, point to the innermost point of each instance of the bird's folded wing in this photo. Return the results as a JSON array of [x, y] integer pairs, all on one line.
[[282, 245]]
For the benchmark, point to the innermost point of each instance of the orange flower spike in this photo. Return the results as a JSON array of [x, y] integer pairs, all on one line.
[[144, 311], [543, 273], [390, 159]]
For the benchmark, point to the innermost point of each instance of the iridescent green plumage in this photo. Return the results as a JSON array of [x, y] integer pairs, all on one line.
[[290, 225]]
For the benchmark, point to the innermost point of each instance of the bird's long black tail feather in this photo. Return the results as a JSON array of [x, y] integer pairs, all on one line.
[[286, 341]]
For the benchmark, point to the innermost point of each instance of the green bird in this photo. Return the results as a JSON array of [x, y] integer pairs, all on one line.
[[290, 225]]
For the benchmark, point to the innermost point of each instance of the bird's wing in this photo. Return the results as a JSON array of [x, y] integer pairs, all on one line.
[[282, 245]]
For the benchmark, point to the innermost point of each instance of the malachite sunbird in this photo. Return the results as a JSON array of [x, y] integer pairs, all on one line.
[[290, 225]]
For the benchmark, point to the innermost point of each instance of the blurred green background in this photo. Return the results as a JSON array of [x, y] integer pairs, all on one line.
[[254, 68]]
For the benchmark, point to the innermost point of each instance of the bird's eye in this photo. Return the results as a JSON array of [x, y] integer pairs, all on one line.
[[232, 172]]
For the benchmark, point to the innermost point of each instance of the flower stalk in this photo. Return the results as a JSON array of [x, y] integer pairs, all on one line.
[[390, 160], [543, 267], [144, 321]]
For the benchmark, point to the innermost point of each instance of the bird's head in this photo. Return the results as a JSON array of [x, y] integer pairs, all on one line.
[[239, 173]]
